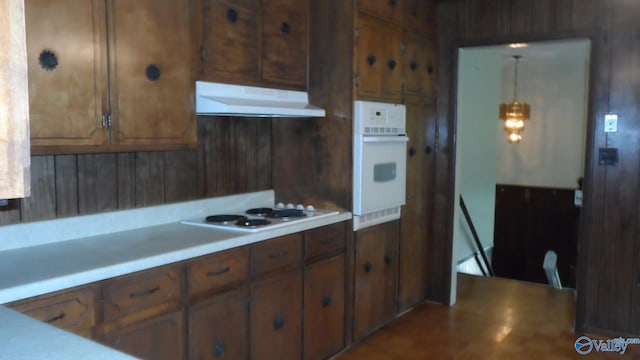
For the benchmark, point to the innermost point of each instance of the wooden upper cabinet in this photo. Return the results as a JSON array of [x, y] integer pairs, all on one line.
[[284, 39], [230, 39], [151, 84], [419, 66], [378, 61], [255, 42], [389, 10], [132, 92], [66, 49], [419, 16]]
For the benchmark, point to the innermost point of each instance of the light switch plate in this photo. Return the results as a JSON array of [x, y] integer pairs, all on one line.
[[610, 123]]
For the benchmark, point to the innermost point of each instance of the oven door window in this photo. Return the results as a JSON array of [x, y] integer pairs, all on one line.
[[384, 172]]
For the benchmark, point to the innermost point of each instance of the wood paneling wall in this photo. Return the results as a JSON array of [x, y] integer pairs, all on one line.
[[233, 156], [313, 157], [609, 248]]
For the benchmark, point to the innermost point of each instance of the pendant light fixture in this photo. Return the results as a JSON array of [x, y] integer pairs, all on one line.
[[515, 113]]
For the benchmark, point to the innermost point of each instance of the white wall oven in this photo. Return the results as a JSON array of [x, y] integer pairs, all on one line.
[[380, 162]]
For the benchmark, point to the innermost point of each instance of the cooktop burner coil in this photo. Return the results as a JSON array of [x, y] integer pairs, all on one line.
[[253, 222], [225, 219]]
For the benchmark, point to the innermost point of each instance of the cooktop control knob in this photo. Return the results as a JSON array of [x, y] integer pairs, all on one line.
[[299, 207], [280, 205], [290, 206], [310, 208]]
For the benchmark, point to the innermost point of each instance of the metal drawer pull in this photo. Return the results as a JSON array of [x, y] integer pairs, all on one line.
[[278, 255], [144, 292], [56, 318], [218, 272]]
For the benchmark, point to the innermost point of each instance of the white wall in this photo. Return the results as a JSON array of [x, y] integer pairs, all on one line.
[[551, 153], [478, 85]]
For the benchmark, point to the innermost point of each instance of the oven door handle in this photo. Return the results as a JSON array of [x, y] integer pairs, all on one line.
[[385, 139]]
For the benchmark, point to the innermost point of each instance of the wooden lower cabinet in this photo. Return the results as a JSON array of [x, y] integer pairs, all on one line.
[[143, 313], [276, 317], [155, 339], [280, 299], [324, 308], [412, 272], [219, 327], [376, 277]]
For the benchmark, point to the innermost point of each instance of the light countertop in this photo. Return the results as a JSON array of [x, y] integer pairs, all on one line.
[[43, 257]]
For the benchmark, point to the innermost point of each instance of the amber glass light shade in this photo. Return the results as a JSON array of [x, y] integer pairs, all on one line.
[[514, 114]]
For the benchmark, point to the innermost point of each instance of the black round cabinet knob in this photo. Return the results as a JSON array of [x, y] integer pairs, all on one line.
[[285, 28], [153, 72], [232, 15], [48, 60], [371, 59]]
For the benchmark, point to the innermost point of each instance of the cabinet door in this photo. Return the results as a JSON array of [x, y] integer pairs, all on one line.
[[379, 61], [276, 317], [152, 83], [284, 39], [230, 40], [419, 16], [324, 308], [376, 277], [158, 338], [412, 274], [390, 10], [219, 328], [66, 49], [416, 116], [419, 65]]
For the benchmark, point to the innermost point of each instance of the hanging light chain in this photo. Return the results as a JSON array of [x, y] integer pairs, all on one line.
[[515, 77]]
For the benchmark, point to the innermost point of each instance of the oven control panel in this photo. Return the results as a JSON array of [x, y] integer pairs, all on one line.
[[376, 119]]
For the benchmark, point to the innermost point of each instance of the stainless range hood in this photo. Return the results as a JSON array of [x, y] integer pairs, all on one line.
[[249, 101]]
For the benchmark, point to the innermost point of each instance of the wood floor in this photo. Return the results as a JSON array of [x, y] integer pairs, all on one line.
[[493, 319]]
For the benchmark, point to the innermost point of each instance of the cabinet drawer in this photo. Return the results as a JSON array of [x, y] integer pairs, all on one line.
[[141, 292], [281, 253], [217, 272], [324, 241], [73, 310]]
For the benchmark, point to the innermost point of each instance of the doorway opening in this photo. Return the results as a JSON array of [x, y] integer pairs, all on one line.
[[523, 198]]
